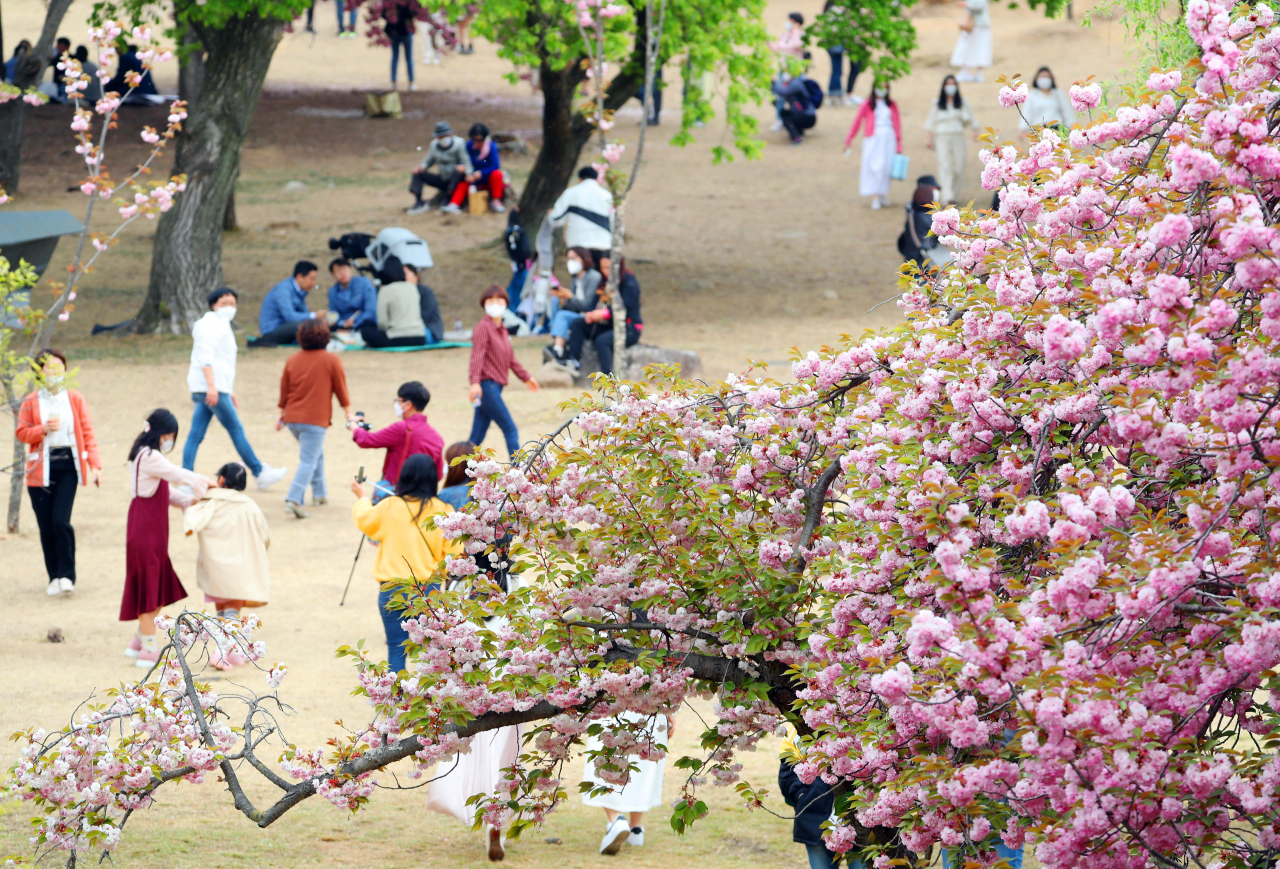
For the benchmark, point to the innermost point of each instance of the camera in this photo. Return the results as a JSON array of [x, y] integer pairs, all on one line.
[[352, 244], [360, 421]]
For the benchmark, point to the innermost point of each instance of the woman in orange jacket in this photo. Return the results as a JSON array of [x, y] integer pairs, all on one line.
[[62, 453]]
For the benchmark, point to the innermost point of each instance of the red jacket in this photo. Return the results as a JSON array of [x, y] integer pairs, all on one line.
[[492, 354], [30, 430], [402, 439], [868, 113]]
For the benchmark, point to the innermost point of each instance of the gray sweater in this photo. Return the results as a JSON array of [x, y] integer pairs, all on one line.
[[446, 159], [400, 310]]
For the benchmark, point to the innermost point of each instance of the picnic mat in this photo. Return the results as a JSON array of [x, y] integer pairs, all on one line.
[[441, 345]]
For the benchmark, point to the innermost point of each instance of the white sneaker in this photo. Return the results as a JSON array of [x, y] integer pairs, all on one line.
[[54, 588], [66, 586], [420, 208], [413, 86], [875, 204], [615, 836], [269, 477], [497, 206], [450, 209], [636, 839], [853, 100], [295, 508], [964, 76], [777, 125]]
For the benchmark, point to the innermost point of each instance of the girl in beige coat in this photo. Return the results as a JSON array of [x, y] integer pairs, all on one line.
[[231, 568]]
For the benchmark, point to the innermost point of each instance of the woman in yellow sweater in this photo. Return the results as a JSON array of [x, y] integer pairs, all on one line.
[[409, 543]]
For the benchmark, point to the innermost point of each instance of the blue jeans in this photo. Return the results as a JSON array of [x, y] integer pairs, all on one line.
[[514, 288], [382, 489], [835, 87], [396, 635], [351, 16], [405, 42], [1003, 852], [561, 322], [492, 409], [225, 411], [310, 462]]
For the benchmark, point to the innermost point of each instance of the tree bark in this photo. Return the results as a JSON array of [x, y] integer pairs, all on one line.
[[186, 261], [190, 67], [19, 464], [229, 216], [27, 74]]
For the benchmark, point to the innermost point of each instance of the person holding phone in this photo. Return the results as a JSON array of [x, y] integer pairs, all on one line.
[[62, 454]]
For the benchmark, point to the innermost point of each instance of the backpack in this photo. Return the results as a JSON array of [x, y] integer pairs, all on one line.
[[516, 241], [815, 92]]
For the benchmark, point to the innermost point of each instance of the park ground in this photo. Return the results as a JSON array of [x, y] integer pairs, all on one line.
[[741, 261]]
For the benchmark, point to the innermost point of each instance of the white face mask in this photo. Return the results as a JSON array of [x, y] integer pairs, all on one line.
[[496, 309], [1044, 83], [166, 445], [881, 93], [950, 90], [574, 267], [227, 314], [398, 409], [791, 25]]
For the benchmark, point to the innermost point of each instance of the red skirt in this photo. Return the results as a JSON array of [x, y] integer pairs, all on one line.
[[150, 581]]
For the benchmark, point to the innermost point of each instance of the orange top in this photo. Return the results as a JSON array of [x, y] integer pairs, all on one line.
[[30, 430]]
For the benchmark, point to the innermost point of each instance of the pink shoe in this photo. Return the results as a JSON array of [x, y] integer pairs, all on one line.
[[218, 660], [147, 660], [235, 657], [135, 646]]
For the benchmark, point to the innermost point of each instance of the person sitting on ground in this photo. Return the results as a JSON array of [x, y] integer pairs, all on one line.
[[568, 304], [399, 311], [457, 485], [429, 307], [486, 171], [93, 91], [796, 108], [61, 48], [585, 211], [448, 154], [353, 298], [119, 83], [409, 435], [596, 325], [20, 51], [285, 307], [915, 243]]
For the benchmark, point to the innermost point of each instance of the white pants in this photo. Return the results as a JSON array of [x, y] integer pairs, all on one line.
[[950, 148]]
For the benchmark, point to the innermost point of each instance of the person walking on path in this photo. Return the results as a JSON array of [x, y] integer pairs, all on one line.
[[399, 23], [155, 483], [492, 356], [285, 307], [946, 130], [882, 141], [973, 49], [211, 379], [410, 435], [1046, 106], [624, 807], [448, 154], [62, 453], [410, 546], [312, 378]]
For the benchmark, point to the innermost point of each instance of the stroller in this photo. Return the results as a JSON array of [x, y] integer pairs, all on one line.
[[395, 242]]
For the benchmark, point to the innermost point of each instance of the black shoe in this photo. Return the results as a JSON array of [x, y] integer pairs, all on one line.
[[261, 344]]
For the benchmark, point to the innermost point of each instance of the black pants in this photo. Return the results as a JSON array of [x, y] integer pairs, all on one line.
[[445, 185], [52, 505], [796, 122], [285, 333], [375, 337], [601, 335]]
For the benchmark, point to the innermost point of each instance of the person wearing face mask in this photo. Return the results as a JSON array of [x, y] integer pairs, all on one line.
[[492, 356], [409, 435], [62, 453], [795, 103], [568, 304], [596, 326], [882, 141], [945, 132], [790, 45], [312, 378], [973, 46], [399, 310], [155, 483], [447, 153], [1046, 106], [211, 380]]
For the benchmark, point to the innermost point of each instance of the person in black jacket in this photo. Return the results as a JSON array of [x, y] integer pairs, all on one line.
[[915, 242], [796, 108], [596, 325], [813, 804], [517, 244]]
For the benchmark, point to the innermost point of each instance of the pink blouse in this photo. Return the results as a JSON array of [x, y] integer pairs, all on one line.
[[150, 467]]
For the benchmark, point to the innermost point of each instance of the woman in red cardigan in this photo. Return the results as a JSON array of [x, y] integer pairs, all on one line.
[[491, 358], [882, 142], [62, 453]]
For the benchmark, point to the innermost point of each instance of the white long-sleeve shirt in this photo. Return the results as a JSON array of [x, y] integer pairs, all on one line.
[[1045, 108], [59, 404], [150, 467], [213, 344], [591, 197]]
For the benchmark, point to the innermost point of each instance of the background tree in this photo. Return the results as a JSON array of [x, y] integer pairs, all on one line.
[[27, 75]]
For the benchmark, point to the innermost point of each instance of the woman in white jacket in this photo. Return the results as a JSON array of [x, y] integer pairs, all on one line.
[[1046, 106]]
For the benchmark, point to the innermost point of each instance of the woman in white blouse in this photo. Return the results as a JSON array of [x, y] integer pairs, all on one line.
[[150, 580], [949, 125], [1046, 106]]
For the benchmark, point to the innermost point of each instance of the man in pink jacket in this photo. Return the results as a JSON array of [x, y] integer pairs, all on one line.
[[409, 435]]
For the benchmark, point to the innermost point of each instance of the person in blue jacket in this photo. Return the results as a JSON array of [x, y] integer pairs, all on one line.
[[488, 168], [353, 297], [795, 104], [285, 307]]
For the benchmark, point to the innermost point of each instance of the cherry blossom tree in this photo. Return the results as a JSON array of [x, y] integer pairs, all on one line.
[[1010, 568]]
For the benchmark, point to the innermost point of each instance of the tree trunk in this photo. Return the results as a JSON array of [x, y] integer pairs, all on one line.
[[229, 216], [18, 470], [27, 74], [190, 67], [186, 260]]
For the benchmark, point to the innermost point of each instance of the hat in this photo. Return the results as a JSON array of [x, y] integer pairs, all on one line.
[[927, 180], [443, 128]]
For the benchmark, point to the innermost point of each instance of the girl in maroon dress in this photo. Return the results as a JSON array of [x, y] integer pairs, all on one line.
[[150, 581]]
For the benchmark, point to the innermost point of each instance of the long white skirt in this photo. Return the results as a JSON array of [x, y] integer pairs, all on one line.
[[643, 791], [475, 773], [973, 49], [877, 159]]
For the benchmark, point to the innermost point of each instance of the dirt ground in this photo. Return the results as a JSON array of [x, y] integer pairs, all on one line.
[[740, 261]]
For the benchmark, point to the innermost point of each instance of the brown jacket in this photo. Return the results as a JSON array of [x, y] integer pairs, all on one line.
[[308, 385]]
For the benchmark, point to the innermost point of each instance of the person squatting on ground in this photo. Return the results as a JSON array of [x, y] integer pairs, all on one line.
[[211, 379], [312, 378], [62, 453], [353, 299], [794, 103], [882, 141], [492, 356], [410, 435], [285, 307], [585, 210], [399, 310], [596, 325], [231, 567], [155, 484], [447, 154], [946, 131], [568, 304], [410, 546]]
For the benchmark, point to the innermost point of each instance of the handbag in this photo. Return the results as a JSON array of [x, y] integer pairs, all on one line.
[[899, 167], [968, 23]]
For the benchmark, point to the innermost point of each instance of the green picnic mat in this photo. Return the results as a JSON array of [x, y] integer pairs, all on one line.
[[442, 345]]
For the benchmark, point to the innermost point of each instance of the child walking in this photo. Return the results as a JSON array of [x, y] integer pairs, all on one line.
[[150, 581]]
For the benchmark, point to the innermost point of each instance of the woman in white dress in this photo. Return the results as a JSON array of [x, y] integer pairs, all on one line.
[[1046, 106], [946, 131], [624, 808], [973, 47], [882, 142]]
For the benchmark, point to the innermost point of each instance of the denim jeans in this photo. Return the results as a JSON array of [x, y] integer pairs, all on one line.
[[225, 411], [514, 288], [492, 409], [562, 322], [351, 16], [405, 42], [835, 87], [396, 635], [310, 440]]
